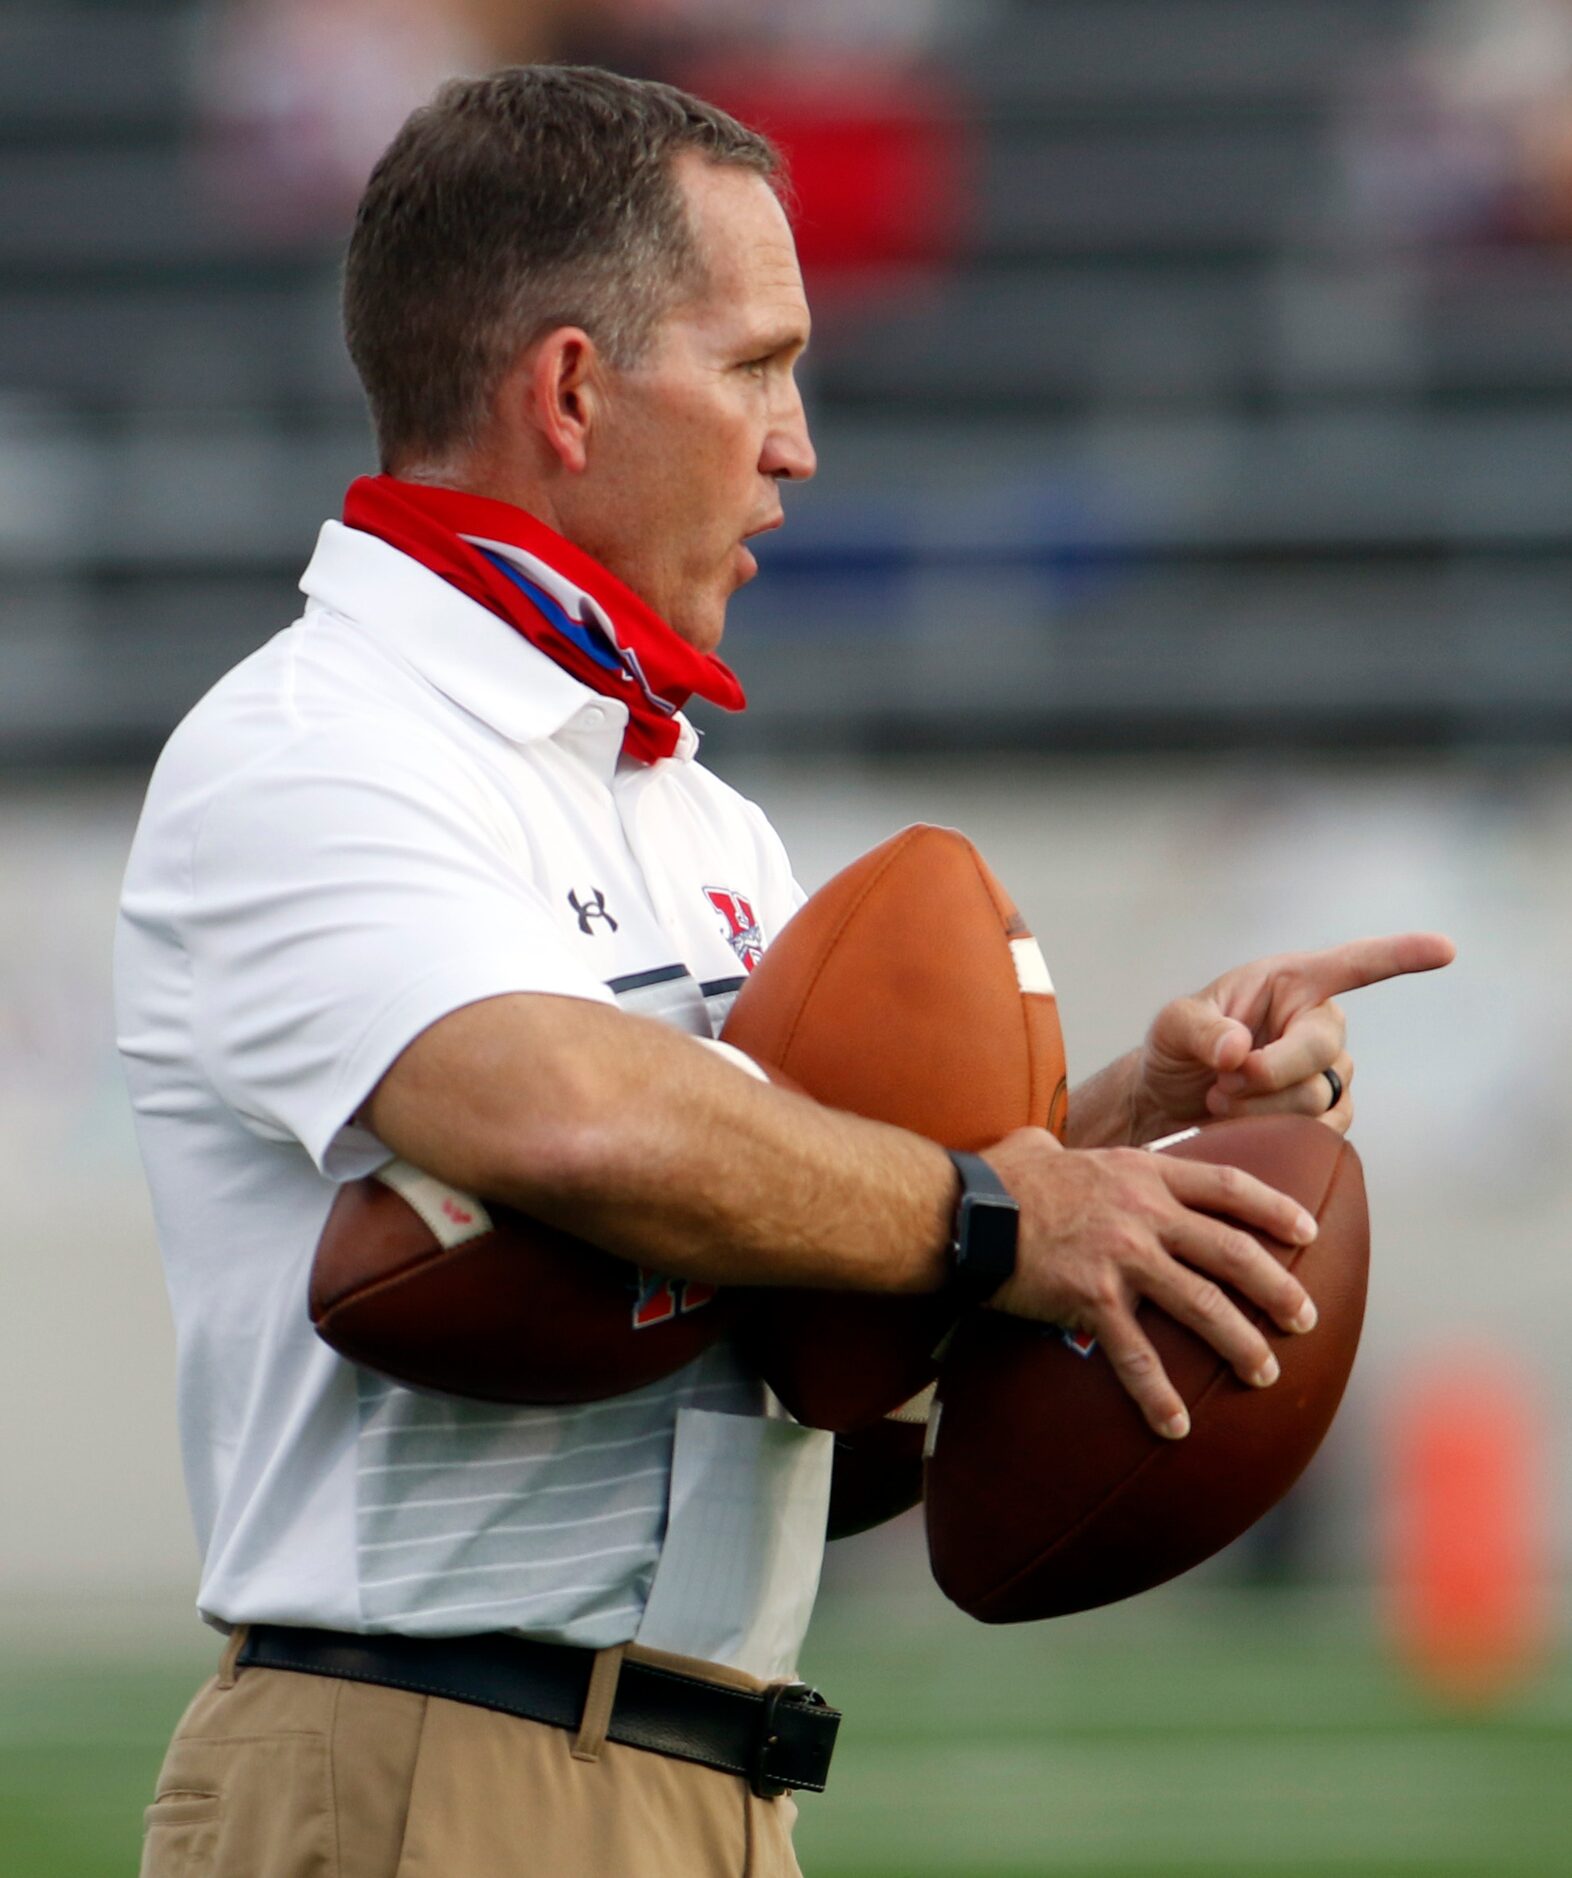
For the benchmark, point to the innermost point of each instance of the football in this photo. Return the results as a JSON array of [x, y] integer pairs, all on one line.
[[526, 1314], [1047, 1493], [878, 1470], [907, 989]]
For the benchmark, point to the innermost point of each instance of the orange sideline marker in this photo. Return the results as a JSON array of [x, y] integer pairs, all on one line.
[[1467, 1558]]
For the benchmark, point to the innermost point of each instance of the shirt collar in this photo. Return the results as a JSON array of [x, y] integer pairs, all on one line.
[[463, 649]]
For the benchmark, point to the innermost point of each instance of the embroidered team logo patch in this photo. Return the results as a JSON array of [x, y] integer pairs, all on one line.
[[738, 924]]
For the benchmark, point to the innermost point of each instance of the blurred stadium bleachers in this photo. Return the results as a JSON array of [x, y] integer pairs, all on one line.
[[1174, 456]]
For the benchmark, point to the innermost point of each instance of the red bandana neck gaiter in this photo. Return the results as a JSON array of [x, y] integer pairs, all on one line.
[[647, 667]]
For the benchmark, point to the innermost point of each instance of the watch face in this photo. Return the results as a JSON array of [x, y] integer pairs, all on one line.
[[988, 1234]]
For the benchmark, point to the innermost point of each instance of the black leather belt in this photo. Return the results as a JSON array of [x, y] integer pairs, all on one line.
[[778, 1741]]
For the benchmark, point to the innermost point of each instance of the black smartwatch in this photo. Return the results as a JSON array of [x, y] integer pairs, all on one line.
[[982, 1247]]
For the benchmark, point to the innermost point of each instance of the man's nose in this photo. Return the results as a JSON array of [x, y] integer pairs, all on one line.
[[789, 454]]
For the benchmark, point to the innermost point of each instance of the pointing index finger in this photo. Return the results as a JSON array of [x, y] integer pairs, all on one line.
[[1360, 962]]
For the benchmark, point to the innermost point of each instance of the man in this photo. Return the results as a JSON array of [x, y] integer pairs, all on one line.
[[434, 874]]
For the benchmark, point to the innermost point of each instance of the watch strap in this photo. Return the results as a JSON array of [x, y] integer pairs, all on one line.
[[983, 1244]]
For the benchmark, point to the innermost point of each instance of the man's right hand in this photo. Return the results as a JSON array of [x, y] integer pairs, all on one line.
[[1103, 1229]]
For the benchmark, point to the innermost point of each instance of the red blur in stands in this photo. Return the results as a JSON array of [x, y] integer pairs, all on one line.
[[881, 156]]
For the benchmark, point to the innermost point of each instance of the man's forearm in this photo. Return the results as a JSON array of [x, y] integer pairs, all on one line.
[[638, 1139], [628, 1134]]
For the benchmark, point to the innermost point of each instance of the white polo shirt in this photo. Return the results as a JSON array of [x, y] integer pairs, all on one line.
[[396, 808]]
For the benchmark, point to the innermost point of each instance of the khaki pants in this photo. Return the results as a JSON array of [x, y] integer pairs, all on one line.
[[277, 1775]]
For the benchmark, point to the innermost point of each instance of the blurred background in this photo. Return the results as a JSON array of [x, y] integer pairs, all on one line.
[[1193, 392]]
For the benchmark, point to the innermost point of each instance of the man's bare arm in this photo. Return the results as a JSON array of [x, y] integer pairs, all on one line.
[[632, 1136]]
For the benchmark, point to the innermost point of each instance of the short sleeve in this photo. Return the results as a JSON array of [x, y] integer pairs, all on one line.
[[345, 895]]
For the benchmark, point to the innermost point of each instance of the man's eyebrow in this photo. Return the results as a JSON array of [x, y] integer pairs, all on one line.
[[769, 342]]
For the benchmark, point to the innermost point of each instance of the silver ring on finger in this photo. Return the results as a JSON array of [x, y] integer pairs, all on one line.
[[1334, 1082]]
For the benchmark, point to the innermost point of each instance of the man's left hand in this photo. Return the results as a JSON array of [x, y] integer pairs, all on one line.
[[1258, 1040]]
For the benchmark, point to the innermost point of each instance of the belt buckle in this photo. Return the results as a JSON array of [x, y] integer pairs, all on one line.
[[765, 1785]]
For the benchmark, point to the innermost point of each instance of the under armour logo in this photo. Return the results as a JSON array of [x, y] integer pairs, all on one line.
[[592, 908]]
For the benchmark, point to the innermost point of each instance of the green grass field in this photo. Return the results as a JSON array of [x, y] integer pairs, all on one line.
[[1184, 1735]]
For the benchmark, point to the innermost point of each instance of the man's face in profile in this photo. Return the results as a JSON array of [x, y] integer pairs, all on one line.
[[697, 436]]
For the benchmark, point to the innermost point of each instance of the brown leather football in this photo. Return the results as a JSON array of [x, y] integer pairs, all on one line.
[[910, 990], [1046, 1491], [877, 1476], [442, 1291]]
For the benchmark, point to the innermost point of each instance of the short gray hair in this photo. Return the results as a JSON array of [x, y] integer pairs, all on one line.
[[537, 197]]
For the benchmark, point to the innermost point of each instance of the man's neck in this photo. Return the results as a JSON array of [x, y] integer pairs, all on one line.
[[478, 476]]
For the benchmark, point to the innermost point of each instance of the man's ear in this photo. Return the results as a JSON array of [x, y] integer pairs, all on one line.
[[561, 388]]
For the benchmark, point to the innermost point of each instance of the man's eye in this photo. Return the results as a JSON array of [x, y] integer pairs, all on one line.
[[757, 366]]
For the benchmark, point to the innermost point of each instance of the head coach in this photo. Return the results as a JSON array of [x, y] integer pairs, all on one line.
[[435, 873]]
